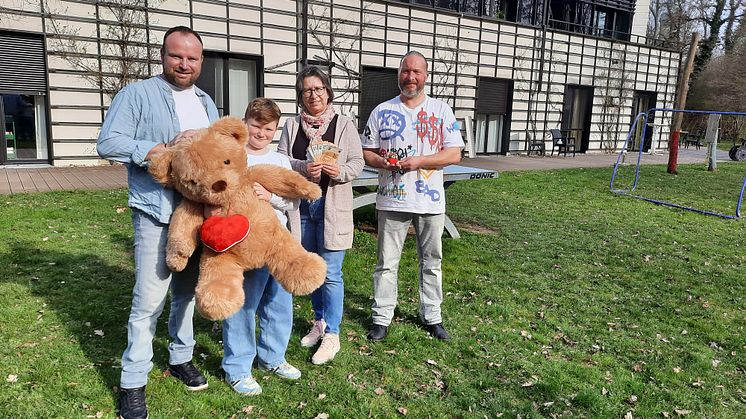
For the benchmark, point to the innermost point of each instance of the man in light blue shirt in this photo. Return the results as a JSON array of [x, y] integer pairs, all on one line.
[[145, 118]]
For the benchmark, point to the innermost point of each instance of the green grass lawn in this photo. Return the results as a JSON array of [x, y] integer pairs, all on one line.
[[563, 299]]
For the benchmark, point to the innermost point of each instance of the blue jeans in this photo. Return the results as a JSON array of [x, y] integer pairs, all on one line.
[[152, 282], [327, 300], [274, 306]]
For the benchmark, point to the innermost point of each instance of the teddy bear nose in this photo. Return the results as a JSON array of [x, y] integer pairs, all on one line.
[[219, 186]]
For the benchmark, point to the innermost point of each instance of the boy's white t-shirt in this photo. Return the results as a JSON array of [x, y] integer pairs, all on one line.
[[280, 204], [189, 109], [421, 131]]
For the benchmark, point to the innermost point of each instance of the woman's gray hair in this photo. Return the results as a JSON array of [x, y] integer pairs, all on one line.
[[312, 71]]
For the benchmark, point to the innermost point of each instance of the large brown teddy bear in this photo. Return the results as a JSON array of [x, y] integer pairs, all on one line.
[[211, 169]]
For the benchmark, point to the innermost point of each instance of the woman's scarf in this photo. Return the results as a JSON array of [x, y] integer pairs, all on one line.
[[315, 126]]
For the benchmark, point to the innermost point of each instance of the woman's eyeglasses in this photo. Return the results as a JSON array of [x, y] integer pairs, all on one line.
[[317, 90]]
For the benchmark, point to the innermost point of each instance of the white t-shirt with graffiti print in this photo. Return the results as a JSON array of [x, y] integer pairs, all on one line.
[[395, 129]]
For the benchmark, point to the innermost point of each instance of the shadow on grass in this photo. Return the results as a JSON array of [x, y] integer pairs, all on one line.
[[87, 293]]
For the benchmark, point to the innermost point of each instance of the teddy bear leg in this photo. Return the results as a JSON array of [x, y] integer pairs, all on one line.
[[298, 271], [219, 292]]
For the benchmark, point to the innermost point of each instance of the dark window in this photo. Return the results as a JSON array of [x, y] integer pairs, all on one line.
[[492, 122], [378, 85], [23, 101]]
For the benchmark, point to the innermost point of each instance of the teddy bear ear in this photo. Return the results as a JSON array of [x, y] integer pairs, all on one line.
[[232, 127], [160, 167]]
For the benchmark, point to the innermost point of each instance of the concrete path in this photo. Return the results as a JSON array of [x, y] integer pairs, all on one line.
[[24, 179]]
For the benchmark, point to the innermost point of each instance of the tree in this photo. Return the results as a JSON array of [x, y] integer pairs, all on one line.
[[720, 84], [124, 51], [339, 40]]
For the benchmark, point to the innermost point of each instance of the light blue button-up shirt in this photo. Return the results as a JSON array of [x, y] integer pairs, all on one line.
[[142, 116]]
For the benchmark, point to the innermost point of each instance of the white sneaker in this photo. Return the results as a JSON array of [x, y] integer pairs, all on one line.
[[313, 336], [329, 347]]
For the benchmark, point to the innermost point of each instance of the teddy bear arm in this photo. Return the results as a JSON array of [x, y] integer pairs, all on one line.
[[183, 234], [285, 182]]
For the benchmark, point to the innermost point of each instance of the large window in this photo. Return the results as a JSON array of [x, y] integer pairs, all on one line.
[[231, 81], [487, 8], [592, 17], [610, 19], [23, 104], [493, 107], [24, 127]]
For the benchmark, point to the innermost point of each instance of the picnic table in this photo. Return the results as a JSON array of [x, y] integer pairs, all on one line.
[[367, 183]]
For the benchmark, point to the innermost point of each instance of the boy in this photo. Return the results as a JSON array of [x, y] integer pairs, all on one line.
[[264, 296]]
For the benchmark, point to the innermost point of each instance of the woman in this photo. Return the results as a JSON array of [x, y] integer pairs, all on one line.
[[325, 224]]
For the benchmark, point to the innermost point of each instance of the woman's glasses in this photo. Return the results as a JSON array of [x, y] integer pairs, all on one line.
[[316, 90]]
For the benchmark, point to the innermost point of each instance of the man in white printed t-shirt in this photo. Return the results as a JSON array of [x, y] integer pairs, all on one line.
[[410, 138]]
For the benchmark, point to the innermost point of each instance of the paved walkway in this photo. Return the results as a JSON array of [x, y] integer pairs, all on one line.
[[20, 179]]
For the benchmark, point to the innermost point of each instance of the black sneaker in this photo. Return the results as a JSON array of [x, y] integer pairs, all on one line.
[[189, 375], [438, 331], [132, 403], [377, 333]]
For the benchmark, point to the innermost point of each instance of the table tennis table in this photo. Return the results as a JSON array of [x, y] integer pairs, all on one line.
[[367, 183]]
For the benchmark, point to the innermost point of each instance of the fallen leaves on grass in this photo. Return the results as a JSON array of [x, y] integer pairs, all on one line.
[[379, 391], [402, 410], [531, 382]]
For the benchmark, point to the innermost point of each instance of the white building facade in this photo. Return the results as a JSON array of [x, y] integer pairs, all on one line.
[[516, 69]]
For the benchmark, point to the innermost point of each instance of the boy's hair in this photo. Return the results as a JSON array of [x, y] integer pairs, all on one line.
[[263, 110]]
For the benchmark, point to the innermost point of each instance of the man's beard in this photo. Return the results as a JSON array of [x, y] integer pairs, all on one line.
[[409, 94]]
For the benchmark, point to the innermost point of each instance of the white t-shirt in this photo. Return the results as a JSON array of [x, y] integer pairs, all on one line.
[[422, 131], [280, 204], [189, 109]]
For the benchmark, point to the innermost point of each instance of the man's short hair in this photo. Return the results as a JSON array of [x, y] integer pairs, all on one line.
[[413, 53], [183, 30], [263, 111]]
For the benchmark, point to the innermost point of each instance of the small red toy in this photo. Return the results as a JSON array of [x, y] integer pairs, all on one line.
[[392, 158]]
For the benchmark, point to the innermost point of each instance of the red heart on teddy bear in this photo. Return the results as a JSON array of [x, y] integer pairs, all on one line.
[[221, 233]]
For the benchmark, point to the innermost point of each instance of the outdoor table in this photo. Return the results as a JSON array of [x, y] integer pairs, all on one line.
[[367, 183]]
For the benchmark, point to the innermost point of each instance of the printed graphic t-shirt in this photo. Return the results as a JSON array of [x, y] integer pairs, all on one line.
[[395, 129]]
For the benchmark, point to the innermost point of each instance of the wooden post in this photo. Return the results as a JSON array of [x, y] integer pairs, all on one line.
[[682, 90]]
